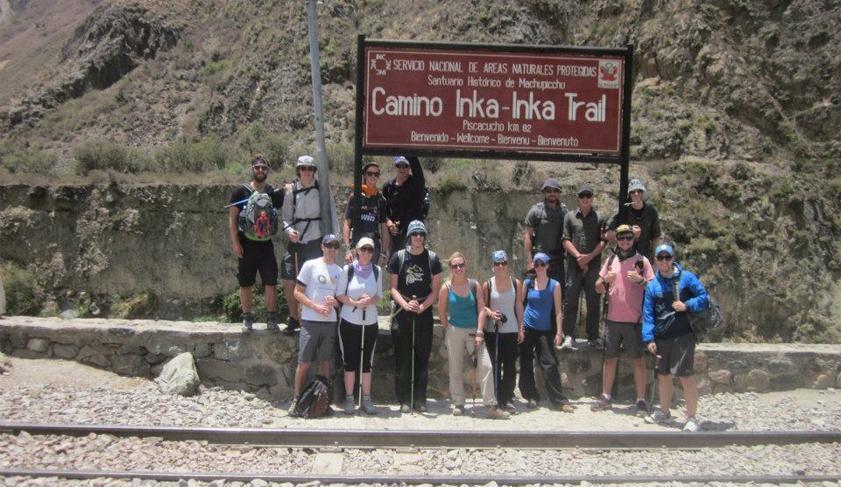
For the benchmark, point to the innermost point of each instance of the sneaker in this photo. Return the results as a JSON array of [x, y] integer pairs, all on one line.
[[493, 412], [349, 407], [405, 409], [293, 406], [692, 425], [248, 321], [602, 404], [531, 404], [271, 321], [659, 416], [291, 326], [458, 410], [510, 407], [642, 407], [567, 344], [368, 406]]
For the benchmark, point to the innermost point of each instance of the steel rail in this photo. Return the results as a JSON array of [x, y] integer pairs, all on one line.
[[355, 438], [435, 479]]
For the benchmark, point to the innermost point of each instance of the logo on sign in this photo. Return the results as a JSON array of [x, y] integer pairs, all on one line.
[[380, 64], [608, 73]]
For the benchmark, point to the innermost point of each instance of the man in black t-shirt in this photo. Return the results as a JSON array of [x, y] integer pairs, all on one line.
[[372, 218], [415, 282], [254, 255], [643, 219], [404, 199]]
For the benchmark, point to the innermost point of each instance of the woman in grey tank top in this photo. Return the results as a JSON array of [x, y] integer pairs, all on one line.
[[501, 320]]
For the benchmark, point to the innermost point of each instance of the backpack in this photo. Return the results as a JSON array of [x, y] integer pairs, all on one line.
[[401, 261], [707, 320], [258, 221], [295, 206], [315, 399]]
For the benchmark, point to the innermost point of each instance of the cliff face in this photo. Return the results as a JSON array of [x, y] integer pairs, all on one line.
[[735, 129]]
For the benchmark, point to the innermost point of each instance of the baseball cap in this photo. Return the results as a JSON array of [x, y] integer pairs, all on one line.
[[550, 183], [541, 257], [364, 241], [305, 161], [329, 238], [499, 256], [584, 188], [623, 228], [259, 159], [665, 249], [400, 160]]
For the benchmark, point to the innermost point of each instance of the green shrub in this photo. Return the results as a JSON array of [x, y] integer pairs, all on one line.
[[137, 306], [102, 155], [203, 155], [21, 291], [28, 161]]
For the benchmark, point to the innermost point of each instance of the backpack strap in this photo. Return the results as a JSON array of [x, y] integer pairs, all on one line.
[[474, 284], [349, 276], [296, 220]]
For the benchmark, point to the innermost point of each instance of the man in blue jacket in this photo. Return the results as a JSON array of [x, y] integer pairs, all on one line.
[[667, 334]]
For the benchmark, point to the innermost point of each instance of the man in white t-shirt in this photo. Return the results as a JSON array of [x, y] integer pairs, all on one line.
[[315, 289]]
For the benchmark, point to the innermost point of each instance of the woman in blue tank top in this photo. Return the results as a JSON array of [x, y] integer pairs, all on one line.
[[543, 304], [459, 302]]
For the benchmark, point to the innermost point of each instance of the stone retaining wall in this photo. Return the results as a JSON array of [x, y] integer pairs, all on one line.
[[258, 360]]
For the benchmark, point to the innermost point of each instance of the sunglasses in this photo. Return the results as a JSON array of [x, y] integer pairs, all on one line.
[[500, 264], [457, 266], [664, 257], [585, 195], [372, 174], [366, 249], [417, 234], [333, 245], [540, 263], [625, 237], [306, 168], [261, 168], [553, 191], [636, 191], [402, 166]]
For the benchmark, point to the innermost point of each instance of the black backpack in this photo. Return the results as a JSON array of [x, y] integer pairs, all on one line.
[[707, 320], [315, 399]]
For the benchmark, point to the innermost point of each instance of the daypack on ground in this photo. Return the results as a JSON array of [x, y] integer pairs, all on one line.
[[258, 221], [315, 399]]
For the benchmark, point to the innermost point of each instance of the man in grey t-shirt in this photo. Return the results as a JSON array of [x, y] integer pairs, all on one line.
[[583, 240], [544, 227]]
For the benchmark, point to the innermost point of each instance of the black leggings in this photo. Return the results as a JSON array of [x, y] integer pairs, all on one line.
[[504, 367], [401, 333], [350, 340]]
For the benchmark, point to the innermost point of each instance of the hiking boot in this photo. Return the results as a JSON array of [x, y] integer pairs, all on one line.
[[248, 321], [692, 425], [271, 321], [531, 404], [368, 406], [405, 409], [493, 412], [458, 410], [291, 325], [293, 406], [421, 407], [349, 407], [567, 344], [602, 404], [642, 407], [659, 416], [510, 407]]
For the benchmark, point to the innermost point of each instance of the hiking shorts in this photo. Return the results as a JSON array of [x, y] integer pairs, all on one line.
[[257, 257], [617, 333], [304, 252], [677, 355], [316, 341]]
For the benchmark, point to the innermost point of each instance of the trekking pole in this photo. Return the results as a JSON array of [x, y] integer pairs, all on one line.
[[474, 359], [361, 357], [496, 361], [412, 382]]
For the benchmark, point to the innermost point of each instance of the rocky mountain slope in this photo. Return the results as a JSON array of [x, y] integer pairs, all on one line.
[[736, 118]]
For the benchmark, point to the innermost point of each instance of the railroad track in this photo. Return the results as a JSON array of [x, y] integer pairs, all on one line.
[[407, 440]]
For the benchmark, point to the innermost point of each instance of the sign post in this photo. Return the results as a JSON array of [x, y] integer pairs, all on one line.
[[492, 101]]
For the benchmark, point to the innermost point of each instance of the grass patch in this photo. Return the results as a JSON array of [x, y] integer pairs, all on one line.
[[27, 161], [103, 155], [21, 292]]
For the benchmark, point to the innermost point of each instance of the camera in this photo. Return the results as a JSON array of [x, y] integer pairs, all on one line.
[[504, 319]]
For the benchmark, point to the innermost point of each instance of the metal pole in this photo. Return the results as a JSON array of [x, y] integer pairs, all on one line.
[[328, 222], [356, 214], [625, 162]]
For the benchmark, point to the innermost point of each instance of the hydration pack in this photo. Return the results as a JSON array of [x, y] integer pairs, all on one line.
[[258, 221]]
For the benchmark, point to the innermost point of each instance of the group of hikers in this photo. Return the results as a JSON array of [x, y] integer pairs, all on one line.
[[493, 323]]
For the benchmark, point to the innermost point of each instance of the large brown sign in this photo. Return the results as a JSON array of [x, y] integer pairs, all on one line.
[[472, 100]]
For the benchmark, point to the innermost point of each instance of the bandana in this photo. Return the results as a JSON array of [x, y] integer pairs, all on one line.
[[363, 271], [368, 191]]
